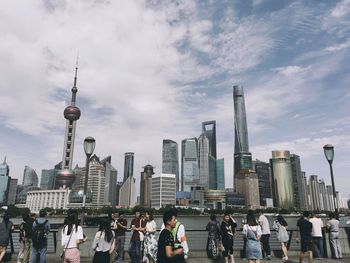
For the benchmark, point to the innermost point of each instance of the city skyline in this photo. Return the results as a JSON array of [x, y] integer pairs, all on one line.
[[186, 58]]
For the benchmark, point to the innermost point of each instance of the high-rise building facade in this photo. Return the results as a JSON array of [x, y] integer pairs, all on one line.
[[220, 174], [127, 193], [263, 172], [111, 182], [30, 178], [170, 160], [12, 192], [146, 186], [189, 164], [65, 177], [47, 181], [298, 186], [203, 149], [96, 182], [282, 179], [163, 190], [4, 182], [247, 183], [314, 190], [128, 165], [209, 130], [242, 156]]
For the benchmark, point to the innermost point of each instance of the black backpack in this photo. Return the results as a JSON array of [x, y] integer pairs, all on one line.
[[39, 235]]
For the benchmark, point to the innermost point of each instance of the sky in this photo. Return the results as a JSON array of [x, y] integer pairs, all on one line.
[[154, 70]]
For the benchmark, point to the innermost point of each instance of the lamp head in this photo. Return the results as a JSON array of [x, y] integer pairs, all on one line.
[[89, 145], [329, 152]]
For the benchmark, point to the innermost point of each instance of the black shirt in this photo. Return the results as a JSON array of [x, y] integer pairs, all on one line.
[[166, 239], [305, 228]]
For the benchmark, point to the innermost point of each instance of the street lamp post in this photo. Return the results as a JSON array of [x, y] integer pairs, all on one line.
[[329, 153], [89, 147]]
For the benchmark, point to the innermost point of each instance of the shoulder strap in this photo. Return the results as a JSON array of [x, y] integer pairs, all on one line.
[[69, 236]]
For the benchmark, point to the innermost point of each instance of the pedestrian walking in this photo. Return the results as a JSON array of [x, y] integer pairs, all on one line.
[[103, 243], [120, 227], [317, 237], [252, 232], [167, 251], [280, 225], [6, 227], [333, 229], [71, 237], [214, 237], [41, 229], [227, 234], [265, 237], [25, 236], [138, 226], [304, 230], [150, 242]]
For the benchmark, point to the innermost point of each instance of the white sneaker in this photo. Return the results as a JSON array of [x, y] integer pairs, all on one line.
[[285, 258]]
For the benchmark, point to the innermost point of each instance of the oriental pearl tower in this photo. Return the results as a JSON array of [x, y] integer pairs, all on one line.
[[66, 177]]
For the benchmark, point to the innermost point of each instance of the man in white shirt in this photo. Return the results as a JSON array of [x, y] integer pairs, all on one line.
[[265, 237], [316, 234], [333, 229]]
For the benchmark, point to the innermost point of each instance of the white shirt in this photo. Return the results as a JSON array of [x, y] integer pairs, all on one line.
[[265, 226], [77, 234], [256, 229], [100, 244], [317, 225], [181, 235], [151, 226]]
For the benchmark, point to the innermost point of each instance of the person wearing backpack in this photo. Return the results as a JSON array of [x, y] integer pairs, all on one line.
[[6, 226], [26, 233], [41, 229]]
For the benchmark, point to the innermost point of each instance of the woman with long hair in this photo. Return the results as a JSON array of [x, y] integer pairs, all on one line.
[[72, 237], [280, 225], [103, 243], [150, 242], [227, 233], [252, 232]]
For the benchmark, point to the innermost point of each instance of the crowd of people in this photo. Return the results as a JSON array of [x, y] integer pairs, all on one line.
[[256, 232], [171, 244]]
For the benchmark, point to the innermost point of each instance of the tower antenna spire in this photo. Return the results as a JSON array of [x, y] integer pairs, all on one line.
[[75, 89]]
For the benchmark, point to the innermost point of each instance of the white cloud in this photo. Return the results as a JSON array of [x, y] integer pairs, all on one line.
[[341, 9]]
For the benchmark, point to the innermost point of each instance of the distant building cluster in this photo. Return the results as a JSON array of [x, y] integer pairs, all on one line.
[[198, 182]]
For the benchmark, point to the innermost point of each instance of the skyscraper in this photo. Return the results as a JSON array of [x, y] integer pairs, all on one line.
[[298, 186], [12, 192], [30, 178], [263, 171], [220, 174], [203, 148], [66, 177], [314, 190], [146, 186], [242, 156], [189, 163], [111, 182], [47, 181], [170, 160], [127, 193], [128, 165], [209, 130], [282, 186], [163, 190], [4, 182]]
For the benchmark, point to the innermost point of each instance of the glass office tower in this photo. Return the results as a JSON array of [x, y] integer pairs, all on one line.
[[189, 164], [170, 160]]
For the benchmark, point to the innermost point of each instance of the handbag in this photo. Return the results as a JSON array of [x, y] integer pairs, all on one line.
[[141, 234]]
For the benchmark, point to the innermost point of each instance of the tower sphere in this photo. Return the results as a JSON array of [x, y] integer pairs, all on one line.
[[65, 177], [72, 113], [74, 89]]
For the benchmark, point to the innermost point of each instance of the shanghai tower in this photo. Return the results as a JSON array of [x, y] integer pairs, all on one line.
[[242, 156]]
